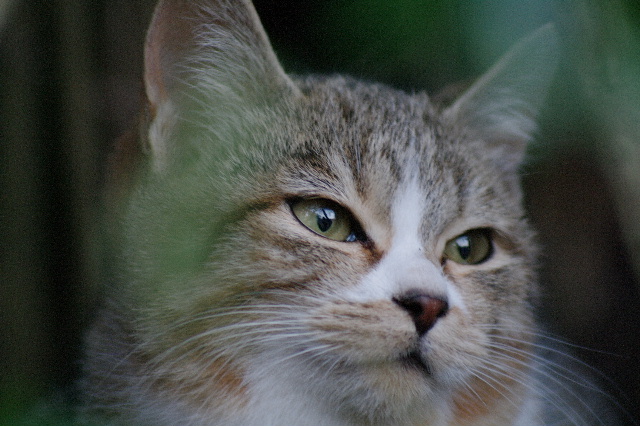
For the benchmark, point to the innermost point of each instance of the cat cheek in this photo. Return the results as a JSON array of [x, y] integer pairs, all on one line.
[[455, 339]]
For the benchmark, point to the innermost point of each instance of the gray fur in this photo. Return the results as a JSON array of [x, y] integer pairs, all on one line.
[[226, 310]]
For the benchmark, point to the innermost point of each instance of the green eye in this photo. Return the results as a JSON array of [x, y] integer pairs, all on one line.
[[471, 248], [326, 218]]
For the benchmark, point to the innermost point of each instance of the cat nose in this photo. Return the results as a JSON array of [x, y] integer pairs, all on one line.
[[424, 309]]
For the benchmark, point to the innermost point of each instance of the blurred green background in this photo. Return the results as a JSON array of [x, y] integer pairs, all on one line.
[[70, 82]]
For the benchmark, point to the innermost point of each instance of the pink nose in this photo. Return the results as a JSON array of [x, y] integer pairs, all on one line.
[[424, 310]]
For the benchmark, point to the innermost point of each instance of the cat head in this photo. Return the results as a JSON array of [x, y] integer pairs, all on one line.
[[325, 243]]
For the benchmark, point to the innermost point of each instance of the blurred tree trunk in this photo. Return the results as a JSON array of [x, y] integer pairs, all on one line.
[[69, 83], [22, 216]]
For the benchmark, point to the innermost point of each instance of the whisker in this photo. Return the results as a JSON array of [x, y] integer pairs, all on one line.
[[569, 376], [549, 392], [546, 336]]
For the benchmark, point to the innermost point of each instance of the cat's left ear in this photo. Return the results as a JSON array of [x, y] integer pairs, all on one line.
[[502, 106]]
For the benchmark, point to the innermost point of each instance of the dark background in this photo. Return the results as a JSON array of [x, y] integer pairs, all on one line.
[[70, 82]]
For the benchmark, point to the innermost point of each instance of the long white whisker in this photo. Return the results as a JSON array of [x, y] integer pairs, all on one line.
[[563, 376], [569, 374]]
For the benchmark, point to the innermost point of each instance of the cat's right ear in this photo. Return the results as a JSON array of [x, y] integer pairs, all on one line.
[[205, 51]]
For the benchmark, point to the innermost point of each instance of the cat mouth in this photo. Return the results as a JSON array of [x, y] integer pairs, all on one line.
[[414, 361]]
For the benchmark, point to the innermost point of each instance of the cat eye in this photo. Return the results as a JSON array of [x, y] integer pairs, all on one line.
[[326, 218], [471, 248]]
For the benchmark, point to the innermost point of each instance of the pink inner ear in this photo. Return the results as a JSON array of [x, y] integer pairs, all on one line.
[[169, 38]]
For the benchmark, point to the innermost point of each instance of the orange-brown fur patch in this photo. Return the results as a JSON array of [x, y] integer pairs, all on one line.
[[227, 377], [220, 379]]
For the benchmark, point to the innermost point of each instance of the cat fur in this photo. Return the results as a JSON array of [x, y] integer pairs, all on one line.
[[223, 309]]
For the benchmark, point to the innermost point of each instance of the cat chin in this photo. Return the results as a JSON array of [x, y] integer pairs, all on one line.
[[403, 390], [376, 396]]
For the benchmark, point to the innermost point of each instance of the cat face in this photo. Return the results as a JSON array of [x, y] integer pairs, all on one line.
[[282, 296], [320, 245]]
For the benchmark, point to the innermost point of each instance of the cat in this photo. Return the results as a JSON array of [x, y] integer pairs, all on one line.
[[322, 251]]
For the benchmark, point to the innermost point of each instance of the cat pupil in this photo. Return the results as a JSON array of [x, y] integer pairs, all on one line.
[[325, 219], [464, 247]]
